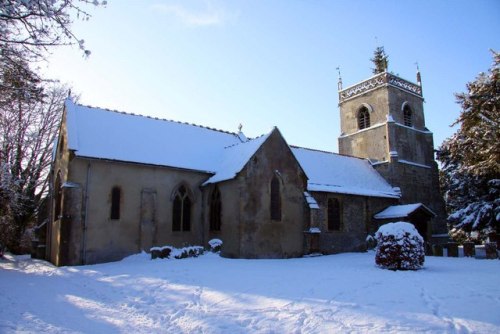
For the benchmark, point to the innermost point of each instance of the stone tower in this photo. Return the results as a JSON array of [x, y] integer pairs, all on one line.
[[382, 119]]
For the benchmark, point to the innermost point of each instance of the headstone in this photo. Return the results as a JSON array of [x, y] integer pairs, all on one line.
[[491, 250], [469, 249], [452, 249], [437, 250]]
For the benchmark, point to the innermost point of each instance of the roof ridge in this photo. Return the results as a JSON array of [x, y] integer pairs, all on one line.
[[328, 152], [156, 118], [244, 142]]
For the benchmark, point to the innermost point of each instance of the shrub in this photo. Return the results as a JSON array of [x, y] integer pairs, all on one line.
[[215, 245], [399, 247]]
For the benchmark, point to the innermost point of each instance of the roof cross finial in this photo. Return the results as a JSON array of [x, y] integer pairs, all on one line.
[[419, 78], [339, 84]]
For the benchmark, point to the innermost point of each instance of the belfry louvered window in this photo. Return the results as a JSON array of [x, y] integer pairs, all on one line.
[[407, 116], [363, 118]]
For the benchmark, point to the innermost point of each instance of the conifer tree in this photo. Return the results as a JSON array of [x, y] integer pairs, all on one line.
[[470, 175], [380, 60]]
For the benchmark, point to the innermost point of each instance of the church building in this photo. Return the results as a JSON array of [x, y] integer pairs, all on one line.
[[123, 183]]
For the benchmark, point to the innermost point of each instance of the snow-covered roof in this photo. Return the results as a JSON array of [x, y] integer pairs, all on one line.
[[401, 211], [335, 173], [311, 201], [104, 134], [234, 158]]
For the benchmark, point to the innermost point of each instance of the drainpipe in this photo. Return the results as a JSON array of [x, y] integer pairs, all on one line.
[[84, 227]]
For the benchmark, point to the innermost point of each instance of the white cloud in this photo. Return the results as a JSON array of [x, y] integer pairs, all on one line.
[[210, 15]]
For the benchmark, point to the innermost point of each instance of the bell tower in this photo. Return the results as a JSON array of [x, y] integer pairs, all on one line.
[[382, 120]]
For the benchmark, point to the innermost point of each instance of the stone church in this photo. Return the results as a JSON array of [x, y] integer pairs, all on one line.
[[123, 183]]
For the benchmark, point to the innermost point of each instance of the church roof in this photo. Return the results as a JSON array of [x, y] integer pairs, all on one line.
[[402, 211], [335, 173], [104, 134]]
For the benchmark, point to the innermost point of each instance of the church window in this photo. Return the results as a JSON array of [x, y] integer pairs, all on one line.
[[215, 210], [61, 146], [275, 199], [363, 118], [181, 213], [407, 116], [333, 214], [115, 203], [58, 197]]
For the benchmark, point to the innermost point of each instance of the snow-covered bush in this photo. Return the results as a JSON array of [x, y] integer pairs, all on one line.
[[371, 243], [169, 252], [399, 247], [215, 245]]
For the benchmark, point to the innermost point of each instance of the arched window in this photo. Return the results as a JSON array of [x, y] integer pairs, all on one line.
[[57, 197], [363, 118], [116, 195], [333, 214], [181, 212], [275, 199], [61, 145], [215, 210], [407, 115]]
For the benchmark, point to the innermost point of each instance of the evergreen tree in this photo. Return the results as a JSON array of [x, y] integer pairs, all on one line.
[[470, 175], [380, 60]]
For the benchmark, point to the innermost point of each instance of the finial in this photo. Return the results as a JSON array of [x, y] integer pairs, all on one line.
[[419, 78], [339, 84], [69, 93], [240, 127]]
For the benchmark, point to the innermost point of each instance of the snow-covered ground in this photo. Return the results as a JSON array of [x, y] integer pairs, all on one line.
[[343, 293]]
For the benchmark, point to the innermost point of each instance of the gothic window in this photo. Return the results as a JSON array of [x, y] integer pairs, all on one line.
[[181, 212], [215, 210], [407, 116], [57, 197], [61, 146], [363, 118], [275, 199], [115, 203], [333, 214]]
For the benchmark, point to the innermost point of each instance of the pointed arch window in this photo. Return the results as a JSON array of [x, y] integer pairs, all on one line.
[[116, 195], [181, 211], [57, 197], [407, 115], [363, 118], [333, 214], [275, 199], [215, 210]]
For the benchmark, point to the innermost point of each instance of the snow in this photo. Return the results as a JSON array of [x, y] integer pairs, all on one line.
[[104, 134], [235, 157], [314, 230], [398, 230], [413, 163], [209, 294], [311, 202], [330, 172], [401, 211]]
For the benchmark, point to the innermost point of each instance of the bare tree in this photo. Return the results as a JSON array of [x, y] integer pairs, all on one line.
[[35, 25], [30, 107], [28, 126]]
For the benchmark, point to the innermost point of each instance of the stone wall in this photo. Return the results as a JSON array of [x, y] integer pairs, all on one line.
[[356, 221], [145, 209]]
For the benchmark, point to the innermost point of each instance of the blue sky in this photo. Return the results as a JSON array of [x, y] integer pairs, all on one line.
[[273, 63]]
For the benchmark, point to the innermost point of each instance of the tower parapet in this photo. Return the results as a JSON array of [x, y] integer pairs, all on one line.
[[381, 79]]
